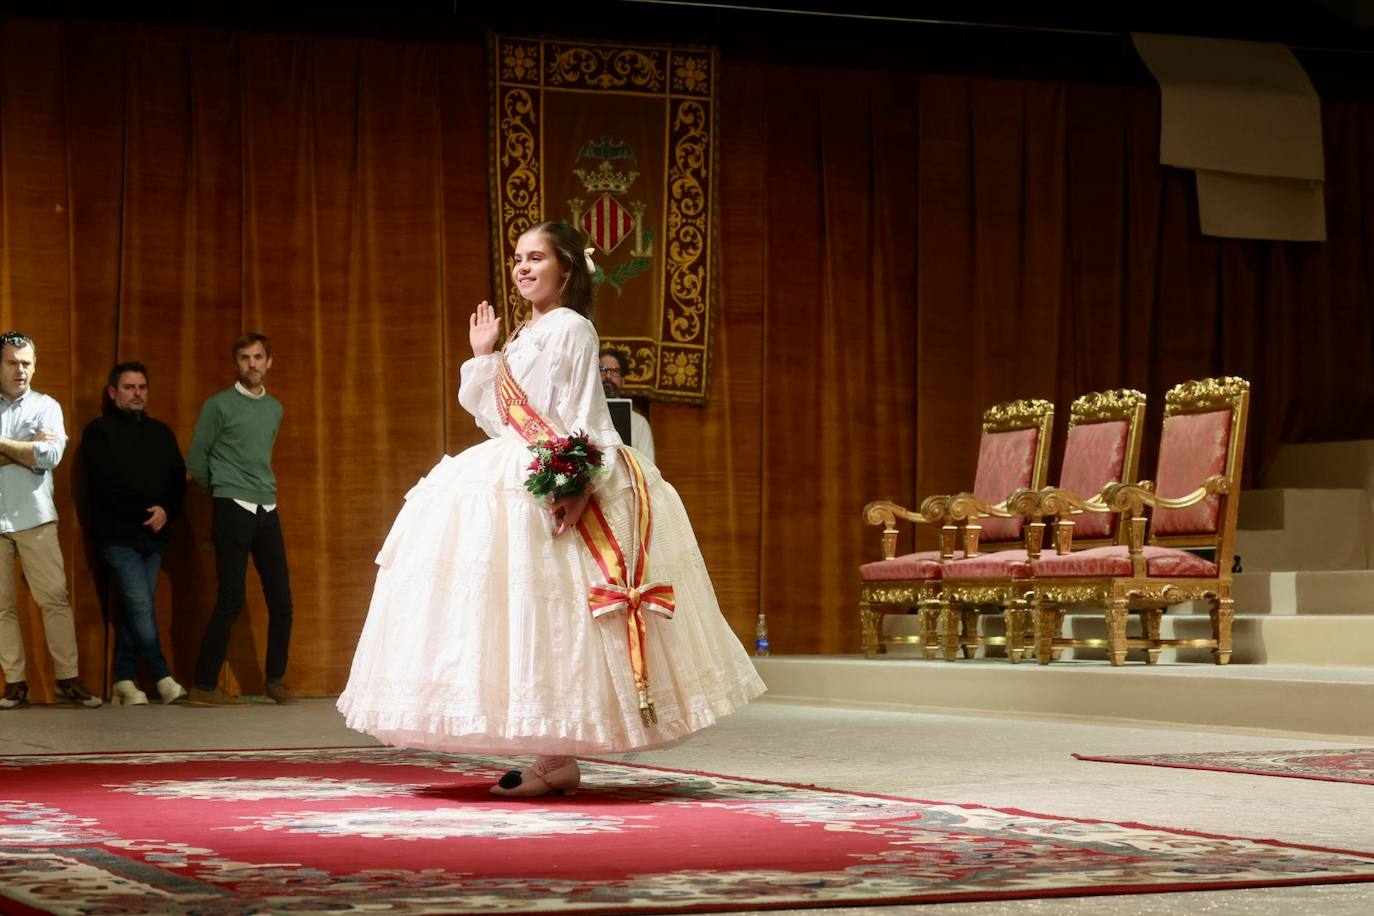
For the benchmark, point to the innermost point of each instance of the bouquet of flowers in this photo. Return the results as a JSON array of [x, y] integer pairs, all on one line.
[[563, 467]]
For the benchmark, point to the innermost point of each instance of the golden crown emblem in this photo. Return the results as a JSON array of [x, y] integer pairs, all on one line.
[[606, 178]]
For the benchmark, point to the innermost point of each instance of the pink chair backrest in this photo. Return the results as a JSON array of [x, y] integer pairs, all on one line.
[[1006, 461], [1093, 457], [1192, 448]]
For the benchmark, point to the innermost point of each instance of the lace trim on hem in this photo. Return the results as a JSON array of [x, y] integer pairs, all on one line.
[[484, 734]]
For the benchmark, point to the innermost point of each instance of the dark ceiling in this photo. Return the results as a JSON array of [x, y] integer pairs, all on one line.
[[962, 35]]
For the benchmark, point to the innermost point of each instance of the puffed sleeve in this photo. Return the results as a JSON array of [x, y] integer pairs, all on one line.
[[477, 392], [581, 399]]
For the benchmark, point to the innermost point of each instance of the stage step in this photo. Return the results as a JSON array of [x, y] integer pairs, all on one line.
[[1253, 698], [1323, 464], [1325, 591], [1256, 639], [1287, 529]]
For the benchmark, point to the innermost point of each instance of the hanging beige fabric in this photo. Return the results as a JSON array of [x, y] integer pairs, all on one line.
[[1256, 207], [1245, 116]]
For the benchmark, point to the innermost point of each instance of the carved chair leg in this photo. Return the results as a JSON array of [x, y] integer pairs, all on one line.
[[930, 627], [1014, 619], [949, 630], [870, 623], [969, 640], [1223, 611], [1029, 643], [1149, 624], [1044, 632], [1116, 630]]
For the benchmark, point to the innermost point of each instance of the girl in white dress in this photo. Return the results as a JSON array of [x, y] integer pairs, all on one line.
[[481, 636]]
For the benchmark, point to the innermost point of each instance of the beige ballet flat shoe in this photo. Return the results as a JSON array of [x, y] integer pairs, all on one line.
[[548, 776]]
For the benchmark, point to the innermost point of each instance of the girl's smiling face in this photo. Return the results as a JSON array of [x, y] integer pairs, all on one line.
[[536, 272]]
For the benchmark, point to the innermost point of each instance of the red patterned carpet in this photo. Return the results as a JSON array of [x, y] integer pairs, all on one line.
[[386, 830], [1355, 764]]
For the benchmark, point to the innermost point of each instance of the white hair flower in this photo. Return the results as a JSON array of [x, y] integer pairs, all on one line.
[[591, 265]]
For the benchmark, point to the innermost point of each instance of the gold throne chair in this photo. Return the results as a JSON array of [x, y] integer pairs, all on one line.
[[1012, 455], [1183, 551], [1102, 446]]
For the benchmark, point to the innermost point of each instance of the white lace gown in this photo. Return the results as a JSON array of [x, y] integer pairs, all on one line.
[[479, 638]]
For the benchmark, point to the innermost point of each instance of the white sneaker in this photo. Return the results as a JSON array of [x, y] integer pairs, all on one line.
[[171, 691], [124, 693]]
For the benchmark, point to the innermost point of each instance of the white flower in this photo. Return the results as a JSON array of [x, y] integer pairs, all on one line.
[[560, 479]]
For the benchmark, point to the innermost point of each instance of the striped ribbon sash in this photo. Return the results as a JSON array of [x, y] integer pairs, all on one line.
[[624, 588]]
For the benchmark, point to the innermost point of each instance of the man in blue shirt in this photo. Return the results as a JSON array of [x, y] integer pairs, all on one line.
[[32, 440]]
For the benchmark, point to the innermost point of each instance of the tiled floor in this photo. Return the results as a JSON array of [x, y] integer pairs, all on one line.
[[984, 760]]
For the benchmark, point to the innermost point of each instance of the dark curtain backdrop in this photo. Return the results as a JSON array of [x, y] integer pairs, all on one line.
[[898, 251]]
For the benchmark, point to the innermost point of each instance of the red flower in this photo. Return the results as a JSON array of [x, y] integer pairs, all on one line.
[[574, 458]]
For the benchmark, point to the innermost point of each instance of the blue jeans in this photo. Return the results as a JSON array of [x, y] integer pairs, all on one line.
[[135, 576]]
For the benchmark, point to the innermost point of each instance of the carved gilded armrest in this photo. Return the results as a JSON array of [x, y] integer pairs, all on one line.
[[1132, 499], [962, 512], [1058, 504], [886, 513]]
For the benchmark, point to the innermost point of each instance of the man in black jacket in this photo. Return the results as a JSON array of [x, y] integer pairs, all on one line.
[[137, 481]]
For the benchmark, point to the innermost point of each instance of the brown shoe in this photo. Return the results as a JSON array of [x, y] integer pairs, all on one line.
[[74, 692], [281, 693], [216, 697], [16, 696]]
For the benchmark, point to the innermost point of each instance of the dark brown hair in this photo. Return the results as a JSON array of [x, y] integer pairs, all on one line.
[[121, 368], [620, 359], [244, 341], [568, 245]]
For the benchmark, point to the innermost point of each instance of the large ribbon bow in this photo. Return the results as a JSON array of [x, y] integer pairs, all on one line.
[[609, 597], [624, 588]]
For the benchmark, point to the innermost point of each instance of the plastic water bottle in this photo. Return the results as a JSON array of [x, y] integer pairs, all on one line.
[[761, 636]]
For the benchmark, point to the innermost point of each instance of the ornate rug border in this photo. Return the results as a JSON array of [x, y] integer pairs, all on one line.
[[1144, 760], [927, 898], [808, 787]]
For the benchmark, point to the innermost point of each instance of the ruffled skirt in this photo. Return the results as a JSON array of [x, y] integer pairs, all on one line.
[[479, 638]]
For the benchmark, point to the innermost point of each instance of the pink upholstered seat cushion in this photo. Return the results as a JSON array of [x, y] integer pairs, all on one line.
[[1004, 564], [924, 564], [1005, 462], [1116, 561], [1192, 448], [1093, 457]]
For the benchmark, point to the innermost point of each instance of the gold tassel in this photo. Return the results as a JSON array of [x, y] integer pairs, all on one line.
[[647, 714]]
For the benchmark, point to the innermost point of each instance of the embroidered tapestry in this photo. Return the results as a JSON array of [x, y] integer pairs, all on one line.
[[619, 142]]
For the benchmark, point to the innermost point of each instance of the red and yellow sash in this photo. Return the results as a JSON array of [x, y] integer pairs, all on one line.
[[624, 588]]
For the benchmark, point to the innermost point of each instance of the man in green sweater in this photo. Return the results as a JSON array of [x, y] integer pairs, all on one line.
[[231, 458]]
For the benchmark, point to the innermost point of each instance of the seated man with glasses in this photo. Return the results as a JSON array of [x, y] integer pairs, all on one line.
[[614, 368]]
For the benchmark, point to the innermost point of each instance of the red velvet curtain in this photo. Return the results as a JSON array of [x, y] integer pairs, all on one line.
[[166, 189], [902, 250], [898, 251]]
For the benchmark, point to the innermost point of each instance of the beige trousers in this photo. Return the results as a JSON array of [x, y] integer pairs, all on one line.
[[41, 557]]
